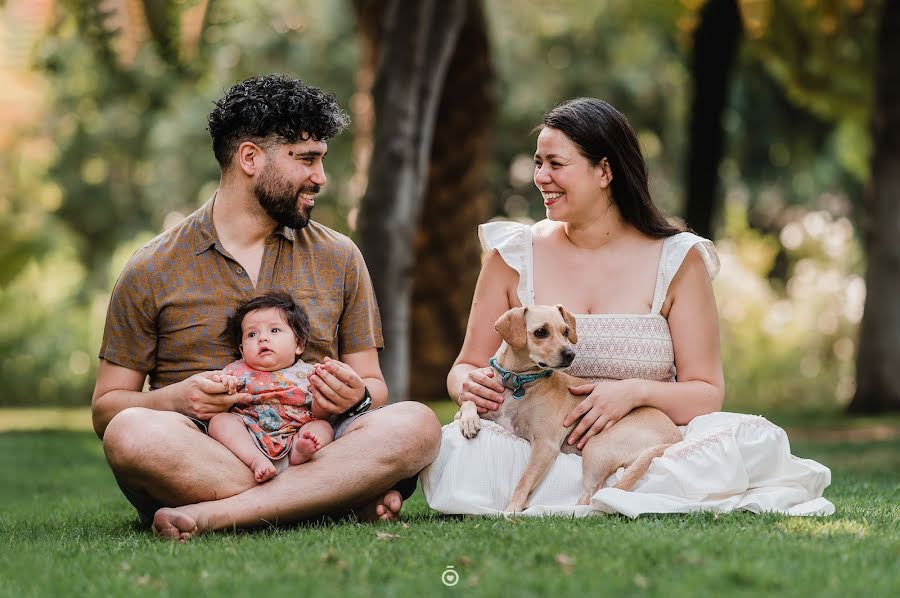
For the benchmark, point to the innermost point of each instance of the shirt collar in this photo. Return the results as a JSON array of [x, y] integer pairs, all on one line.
[[206, 230]]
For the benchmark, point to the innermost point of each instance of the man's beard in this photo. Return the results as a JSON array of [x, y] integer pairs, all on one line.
[[280, 201]]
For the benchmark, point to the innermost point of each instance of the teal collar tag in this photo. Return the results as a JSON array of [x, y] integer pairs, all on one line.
[[516, 382]]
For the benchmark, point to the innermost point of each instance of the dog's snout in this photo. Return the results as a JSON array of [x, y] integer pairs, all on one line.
[[567, 356]]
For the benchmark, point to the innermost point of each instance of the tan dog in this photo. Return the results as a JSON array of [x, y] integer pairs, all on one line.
[[538, 341]]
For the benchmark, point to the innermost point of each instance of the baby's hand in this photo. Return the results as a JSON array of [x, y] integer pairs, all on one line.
[[233, 383]]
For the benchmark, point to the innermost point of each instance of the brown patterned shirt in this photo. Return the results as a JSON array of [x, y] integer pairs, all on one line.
[[171, 300]]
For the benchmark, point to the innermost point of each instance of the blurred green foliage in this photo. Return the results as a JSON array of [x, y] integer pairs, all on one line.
[[107, 147], [789, 344], [624, 52]]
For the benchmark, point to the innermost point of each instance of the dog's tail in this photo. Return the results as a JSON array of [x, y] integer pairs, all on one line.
[[634, 472]]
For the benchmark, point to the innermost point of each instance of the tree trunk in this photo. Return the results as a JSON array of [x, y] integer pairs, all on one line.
[[447, 249], [715, 47], [418, 43], [877, 371]]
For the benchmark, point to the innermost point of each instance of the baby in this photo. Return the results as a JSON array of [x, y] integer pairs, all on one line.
[[270, 333]]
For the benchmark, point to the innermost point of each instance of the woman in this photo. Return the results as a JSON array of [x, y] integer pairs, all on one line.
[[648, 335]]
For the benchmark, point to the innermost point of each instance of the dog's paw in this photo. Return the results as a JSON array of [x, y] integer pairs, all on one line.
[[470, 426]]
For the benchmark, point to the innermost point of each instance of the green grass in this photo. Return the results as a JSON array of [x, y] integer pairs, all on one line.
[[66, 530]]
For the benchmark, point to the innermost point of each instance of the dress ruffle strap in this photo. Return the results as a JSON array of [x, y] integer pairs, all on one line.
[[513, 241], [675, 249]]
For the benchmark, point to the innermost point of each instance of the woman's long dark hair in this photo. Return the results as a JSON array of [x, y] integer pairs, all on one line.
[[600, 131]]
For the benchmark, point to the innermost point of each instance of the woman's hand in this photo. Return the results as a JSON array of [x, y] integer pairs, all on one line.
[[607, 403], [481, 387]]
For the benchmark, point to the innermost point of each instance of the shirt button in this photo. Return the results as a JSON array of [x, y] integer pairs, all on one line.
[[240, 270]]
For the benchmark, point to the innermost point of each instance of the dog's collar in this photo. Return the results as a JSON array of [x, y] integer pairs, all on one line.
[[516, 382]]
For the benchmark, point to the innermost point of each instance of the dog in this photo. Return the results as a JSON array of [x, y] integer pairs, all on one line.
[[538, 342]]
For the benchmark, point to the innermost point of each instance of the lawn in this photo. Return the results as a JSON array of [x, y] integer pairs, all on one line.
[[66, 531]]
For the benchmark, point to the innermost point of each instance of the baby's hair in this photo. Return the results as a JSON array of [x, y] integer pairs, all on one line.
[[294, 315]]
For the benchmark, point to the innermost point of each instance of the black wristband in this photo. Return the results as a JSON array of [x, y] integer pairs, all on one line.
[[362, 406]]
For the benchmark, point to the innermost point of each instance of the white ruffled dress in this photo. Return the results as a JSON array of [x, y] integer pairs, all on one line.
[[726, 461]]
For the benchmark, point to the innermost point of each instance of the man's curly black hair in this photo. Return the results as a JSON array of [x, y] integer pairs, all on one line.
[[273, 105]]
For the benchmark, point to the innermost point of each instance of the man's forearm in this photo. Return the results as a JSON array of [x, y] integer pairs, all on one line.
[[107, 406], [379, 391]]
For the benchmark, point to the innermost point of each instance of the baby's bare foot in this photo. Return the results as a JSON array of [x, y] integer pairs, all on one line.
[[263, 469], [171, 524], [305, 446]]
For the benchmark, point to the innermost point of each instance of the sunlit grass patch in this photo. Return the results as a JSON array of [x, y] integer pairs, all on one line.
[[51, 418], [824, 527]]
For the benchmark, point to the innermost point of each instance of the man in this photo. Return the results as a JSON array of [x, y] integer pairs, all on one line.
[[171, 302]]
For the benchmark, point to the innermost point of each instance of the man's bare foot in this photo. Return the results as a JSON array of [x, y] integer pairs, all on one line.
[[171, 524], [305, 446], [263, 469], [387, 508]]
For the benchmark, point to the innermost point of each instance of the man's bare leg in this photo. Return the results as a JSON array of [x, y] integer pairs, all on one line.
[[163, 455], [376, 452]]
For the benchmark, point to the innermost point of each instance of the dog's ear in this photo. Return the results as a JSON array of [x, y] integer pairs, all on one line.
[[511, 327], [570, 322]]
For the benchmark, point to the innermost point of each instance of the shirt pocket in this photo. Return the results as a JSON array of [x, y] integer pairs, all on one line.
[[324, 309]]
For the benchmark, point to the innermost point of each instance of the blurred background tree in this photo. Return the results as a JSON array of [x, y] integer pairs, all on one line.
[[878, 379], [104, 132], [425, 277], [416, 43], [715, 42]]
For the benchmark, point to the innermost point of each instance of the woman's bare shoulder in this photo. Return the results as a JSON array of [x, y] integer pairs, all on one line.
[[495, 265], [692, 268]]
